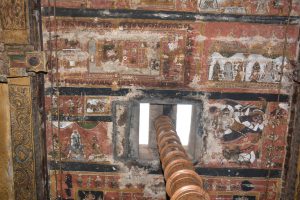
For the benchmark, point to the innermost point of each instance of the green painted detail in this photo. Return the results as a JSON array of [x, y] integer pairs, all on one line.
[[87, 125], [17, 57]]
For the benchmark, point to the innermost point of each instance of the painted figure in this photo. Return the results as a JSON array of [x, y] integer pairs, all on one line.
[[228, 71], [154, 64], [242, 125], [262, 6], [90, 195], [92, 52], [76, 147], [240, 74], [217, 73], [206, 4], [79, 180], [268, 75], [110, 52], [236, 120], [98, 181], [95, 105], [240, 156], [255, 74]]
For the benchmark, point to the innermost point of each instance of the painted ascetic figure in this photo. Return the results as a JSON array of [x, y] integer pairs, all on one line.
[[76, 147]]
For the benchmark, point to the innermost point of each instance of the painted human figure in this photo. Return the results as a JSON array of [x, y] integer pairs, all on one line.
[[110, 52], [98, 181], [68, 181], [251, 123], [76, 147], [262, 6], [216, 76], [92, 53], [268, 75], [205, 4], [240, 74], [255, 74], [226, 119], [243, 119], [240, 156], [89, 182], [228, 71], [79, 180], [89, 196]]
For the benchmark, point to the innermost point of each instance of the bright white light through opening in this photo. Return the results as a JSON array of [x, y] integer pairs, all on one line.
[[183, 122], [144, 123]]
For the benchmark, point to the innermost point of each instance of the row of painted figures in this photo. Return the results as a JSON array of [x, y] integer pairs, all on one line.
[[253, 68]]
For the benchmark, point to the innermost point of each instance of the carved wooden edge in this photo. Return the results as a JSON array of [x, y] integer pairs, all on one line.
[[27, 135], [22, 138], [14, 16], [29, 164], [291, 165]]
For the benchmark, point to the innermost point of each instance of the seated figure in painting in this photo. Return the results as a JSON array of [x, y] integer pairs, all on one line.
[[255, 74]]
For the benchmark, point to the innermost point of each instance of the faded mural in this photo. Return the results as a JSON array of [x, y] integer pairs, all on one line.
[[237, 70], [243, 134], [256, 7], [249, 68]]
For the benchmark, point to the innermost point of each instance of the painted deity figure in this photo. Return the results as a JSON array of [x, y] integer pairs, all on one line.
[[76, 147], [255, 74]]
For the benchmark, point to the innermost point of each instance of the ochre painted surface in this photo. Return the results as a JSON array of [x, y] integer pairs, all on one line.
[[106, 65], [240, 7], [207, 56], [6, 170]]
